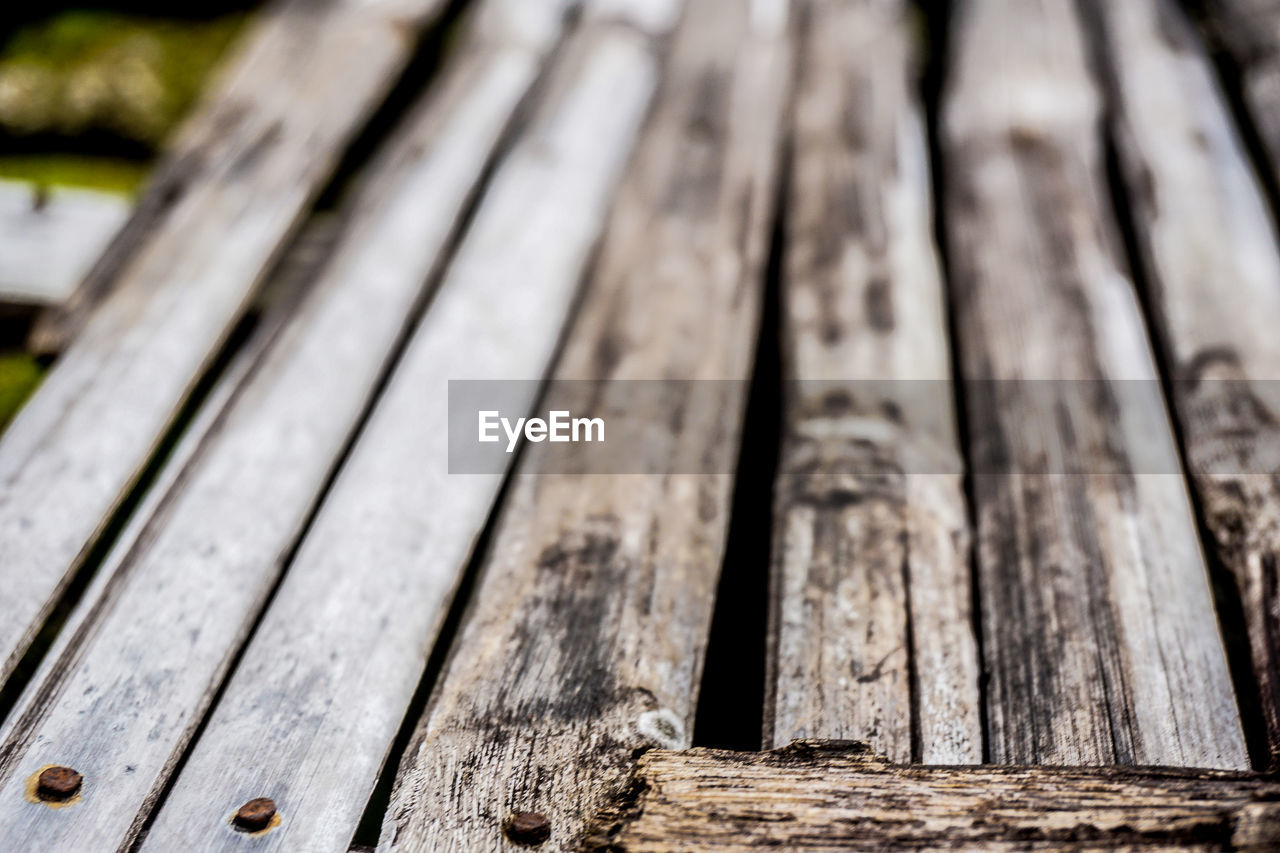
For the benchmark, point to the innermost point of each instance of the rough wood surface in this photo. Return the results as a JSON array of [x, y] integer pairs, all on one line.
[[815, 796], [874, 638], [1250, 30], [337, 658], [254, 156], [122, 697], [585, 635], [1099, 631], [1212, 265], [50, 237]]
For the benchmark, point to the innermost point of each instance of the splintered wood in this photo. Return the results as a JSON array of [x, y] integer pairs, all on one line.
[[1099, 631], [818, 797], [871, 567], [586, 633]]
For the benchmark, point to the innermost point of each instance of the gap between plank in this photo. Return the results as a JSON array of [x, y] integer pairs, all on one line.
[[733, 691], [937, 16]]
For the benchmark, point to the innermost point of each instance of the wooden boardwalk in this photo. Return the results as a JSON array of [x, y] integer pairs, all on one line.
[[1003, 277]]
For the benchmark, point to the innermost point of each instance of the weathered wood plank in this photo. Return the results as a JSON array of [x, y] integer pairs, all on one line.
[[872, 568], [1098, 624], [121, 701], [585, 636], [254, 156], [815, 796], [338, 656], [1212, 265], [1250, 30], [272, 309], [50, 237]]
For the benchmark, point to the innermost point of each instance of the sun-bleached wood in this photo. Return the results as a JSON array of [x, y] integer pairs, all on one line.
[[270, 312], [585, 635], [255, 154], [312, 710], [1209, 251], [871, 570], [122, 699], [817, 797], [1099, 630], [49, 237]]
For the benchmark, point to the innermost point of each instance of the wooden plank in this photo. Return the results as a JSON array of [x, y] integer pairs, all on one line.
[[815, 796], [272, 309], [257, 152], [122, 699], [874, 634], [585, 636], [49, 237], [338, 656], [1250, 30], [1098, 625], [1209, 251]]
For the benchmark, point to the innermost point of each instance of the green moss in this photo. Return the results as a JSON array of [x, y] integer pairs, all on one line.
[[127, 76], [100, 173], [19, 376]]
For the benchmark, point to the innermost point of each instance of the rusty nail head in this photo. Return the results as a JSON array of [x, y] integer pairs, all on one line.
[[58, 784], [255, 815], [528, 828]]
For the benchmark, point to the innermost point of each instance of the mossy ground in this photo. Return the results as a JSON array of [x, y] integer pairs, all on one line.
[[20, 373], [87, 98], [113, 75], [108, 174]]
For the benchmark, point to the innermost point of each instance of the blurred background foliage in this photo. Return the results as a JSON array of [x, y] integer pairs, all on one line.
[[89, 94]]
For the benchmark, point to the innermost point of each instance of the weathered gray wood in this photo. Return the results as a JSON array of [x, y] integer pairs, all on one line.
[[1212, 266], [273, 308], [872, 581], [1098, 623], [1250, 30], [312, 710], [814, 796], [49, 237], [122, 698], [254, 156], [585, 635]]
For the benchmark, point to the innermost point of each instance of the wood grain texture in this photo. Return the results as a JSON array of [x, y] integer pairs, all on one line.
[[1098, 625], [1250, 31], [828, 796], [123, 697], [314, 706], [1211, 263], [50, 237], [872, 584], [257, 152], [585, 635]]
